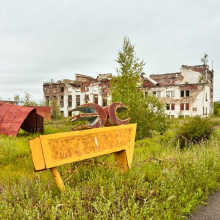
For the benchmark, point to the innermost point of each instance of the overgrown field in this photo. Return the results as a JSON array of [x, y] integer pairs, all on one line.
[[163, 183]]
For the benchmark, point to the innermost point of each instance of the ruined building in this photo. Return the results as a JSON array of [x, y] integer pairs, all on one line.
[[72, 93], [186, 93]]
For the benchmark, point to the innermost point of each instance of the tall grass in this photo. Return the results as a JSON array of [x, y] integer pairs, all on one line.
[[167, 187]]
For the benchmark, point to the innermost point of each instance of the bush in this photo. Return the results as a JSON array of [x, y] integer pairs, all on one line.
[[195, 130]]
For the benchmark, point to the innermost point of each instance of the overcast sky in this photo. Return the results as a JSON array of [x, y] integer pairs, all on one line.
[[54, 39]]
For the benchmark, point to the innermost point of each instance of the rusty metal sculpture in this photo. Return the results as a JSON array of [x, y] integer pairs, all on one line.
[[50, 151], [14, 117], [98, 116]]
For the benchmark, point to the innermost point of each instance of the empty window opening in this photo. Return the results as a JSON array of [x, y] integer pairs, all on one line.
[[154, 93], [96, 98], [77, 100], [182, 93], [168, 106], [70, 114], [187, 93], [62, 89], [105, 102], [61, 97], [146, 93], [86, 98]]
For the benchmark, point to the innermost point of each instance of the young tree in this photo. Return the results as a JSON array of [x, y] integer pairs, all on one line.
[[54, 109], [27, 101], [204, 60], [16, 99], [147, 112]]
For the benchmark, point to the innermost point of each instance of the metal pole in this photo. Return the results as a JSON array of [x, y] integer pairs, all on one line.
[[57, 178]]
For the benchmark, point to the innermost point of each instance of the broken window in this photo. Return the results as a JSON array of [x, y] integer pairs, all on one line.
[[172, 106], [61, 89], [47, 100], [61, 97], [61, 104], [167, 93], [187, 106], [77, 100], [159, 94], [168, 106], [105, 102], [182, 106], [187, 93], [96, 98], [173, 93], [86, 98], [182, 93]]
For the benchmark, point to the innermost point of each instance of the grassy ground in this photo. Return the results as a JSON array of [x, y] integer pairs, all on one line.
[[162, 183]]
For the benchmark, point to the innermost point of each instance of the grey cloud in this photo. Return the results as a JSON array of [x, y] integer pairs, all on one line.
[[55, 39]]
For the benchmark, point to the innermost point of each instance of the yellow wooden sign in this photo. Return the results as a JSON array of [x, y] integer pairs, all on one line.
[[50, 151]]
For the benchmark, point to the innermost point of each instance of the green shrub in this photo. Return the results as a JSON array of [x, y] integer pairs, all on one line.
[[195, 130]]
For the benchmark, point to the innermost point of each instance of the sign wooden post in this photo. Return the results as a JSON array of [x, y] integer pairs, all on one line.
[[50, 151]]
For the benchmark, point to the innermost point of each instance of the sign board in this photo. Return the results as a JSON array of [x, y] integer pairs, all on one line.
[[50, 151]]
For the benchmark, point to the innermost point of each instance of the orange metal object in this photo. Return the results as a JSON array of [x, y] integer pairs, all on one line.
[[112, 118], [98, 116], [93, 112], [50, 151]]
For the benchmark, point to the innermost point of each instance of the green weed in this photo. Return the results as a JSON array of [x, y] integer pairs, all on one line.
[[167, 186]]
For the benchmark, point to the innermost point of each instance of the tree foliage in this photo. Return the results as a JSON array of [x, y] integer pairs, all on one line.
[[27, 100], [17, 99], [147, 112], [195, 130], [217, 108], [204, 60], [54, 109]]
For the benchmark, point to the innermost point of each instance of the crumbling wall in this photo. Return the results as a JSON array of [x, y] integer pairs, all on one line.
[[167, 79]]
